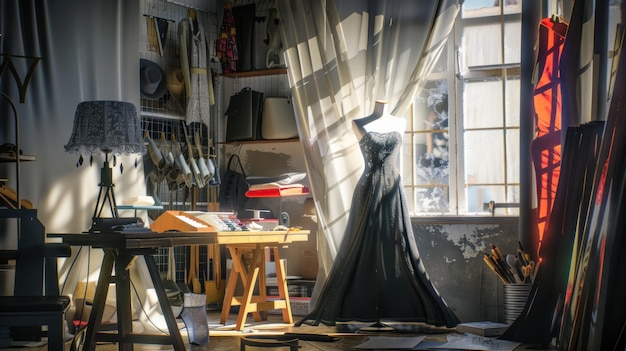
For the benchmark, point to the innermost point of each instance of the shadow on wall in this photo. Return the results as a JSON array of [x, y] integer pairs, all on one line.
[[452, 251]]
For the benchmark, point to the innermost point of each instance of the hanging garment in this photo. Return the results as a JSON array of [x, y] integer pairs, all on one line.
[[244, 18], [195, 66], [378, 274], [546, 147], [226, 46]]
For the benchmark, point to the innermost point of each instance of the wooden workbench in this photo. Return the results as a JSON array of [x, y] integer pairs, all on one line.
[[121, 248]]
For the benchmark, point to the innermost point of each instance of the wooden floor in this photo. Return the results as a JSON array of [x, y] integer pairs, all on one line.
[[226, 338]]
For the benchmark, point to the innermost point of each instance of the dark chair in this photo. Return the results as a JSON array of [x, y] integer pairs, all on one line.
[[36, 301], [269, 342]]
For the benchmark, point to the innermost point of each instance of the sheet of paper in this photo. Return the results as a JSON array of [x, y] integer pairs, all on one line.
[[390, 343], [475, 342]]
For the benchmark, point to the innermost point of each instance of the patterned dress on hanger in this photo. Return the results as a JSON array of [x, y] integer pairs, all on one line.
[[198, 100], [378, 275]]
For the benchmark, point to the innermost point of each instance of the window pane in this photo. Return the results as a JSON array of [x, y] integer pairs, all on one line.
[[408, 143], [512, 102], [431, 160], [513, 41], [442, 63], [481, 45], [479, 4], [432, 200], [431, 106], [484, 157], [431, 155], [482, 8], [513, 197], [479, 195], [512, 156], [485, 109]]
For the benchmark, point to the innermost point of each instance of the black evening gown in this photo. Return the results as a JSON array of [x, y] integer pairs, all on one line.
[[377, 274]]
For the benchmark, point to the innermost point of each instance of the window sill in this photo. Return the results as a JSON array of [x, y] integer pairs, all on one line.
[[470, 219]]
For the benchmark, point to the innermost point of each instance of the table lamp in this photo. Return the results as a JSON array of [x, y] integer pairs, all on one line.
[[109, 127]]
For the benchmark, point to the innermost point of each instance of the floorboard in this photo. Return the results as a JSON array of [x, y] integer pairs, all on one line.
[[226, 338]]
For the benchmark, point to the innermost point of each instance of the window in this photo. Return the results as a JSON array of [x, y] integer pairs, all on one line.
[[463, 140]]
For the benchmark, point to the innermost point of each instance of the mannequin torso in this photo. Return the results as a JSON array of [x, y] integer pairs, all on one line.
[[379, 121]]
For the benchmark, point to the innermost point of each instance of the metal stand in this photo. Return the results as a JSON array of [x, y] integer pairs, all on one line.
[[106, 190]]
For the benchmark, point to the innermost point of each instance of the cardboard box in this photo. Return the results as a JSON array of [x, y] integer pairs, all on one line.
[[309, 264], [299, 306]]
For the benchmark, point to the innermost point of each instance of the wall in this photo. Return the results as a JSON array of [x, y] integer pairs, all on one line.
[[83, 57], [267, 159], [452, 251], [271, 159]]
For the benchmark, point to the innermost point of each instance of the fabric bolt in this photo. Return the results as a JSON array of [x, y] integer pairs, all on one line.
[[547, 98], [194, 63], [378, 274]]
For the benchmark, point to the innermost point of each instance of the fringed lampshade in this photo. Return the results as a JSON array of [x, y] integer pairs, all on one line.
[[106, 126], [109, 127]]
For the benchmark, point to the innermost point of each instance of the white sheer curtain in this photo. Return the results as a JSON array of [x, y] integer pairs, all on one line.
[[342, 56], [89, 50]]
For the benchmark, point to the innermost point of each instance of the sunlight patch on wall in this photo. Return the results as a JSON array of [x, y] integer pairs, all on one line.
[[472, 240]]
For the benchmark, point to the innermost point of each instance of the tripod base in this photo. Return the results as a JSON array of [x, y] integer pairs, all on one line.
[[377, 327], [106, 193]]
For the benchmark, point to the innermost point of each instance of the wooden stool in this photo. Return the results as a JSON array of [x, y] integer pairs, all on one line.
[[248, 302]]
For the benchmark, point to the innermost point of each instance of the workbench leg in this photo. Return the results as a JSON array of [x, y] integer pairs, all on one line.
[[248, 291], [258, 263], [281, 281], [170, 320], [229, 293], [262, 282], [122, 298], [95, 317]]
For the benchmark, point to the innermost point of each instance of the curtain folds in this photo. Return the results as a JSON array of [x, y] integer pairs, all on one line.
[[342, 56], [88, 50]]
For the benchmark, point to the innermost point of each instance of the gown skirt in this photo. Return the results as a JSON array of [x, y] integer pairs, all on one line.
[[377, 274]]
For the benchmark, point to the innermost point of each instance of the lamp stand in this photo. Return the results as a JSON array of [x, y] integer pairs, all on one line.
[[106, 190]]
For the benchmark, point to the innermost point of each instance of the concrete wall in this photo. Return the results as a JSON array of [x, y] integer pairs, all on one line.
[[452, 250]]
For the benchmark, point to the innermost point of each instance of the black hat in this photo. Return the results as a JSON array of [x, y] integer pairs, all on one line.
[[152, 80]]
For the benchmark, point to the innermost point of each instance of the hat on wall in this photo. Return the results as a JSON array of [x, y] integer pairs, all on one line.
[[176, 86], [152, 80], [175, 81]]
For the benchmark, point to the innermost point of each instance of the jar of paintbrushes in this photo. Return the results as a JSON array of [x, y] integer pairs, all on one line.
[[517, 272]]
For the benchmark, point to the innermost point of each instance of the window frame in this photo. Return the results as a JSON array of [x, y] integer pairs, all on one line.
[[456, 76]]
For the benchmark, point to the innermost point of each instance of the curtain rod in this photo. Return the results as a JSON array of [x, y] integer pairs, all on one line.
[[176, 2]]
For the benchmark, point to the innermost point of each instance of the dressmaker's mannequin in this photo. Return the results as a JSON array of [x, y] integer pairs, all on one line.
[[379, 121], [378, 274]]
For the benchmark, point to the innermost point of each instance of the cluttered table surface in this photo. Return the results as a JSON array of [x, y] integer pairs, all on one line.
[[149, 239]]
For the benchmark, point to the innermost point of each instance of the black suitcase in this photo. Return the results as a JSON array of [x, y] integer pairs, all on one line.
[[244, 115]]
